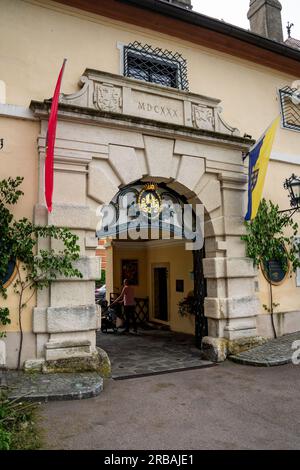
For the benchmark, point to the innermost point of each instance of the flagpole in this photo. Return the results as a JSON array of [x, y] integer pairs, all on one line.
[[50, 141]]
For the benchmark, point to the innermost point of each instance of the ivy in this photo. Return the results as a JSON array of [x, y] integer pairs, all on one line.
[[36, 268], [187, 306], [271, 236]]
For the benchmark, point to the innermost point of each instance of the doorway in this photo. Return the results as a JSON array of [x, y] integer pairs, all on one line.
[[160, 293]]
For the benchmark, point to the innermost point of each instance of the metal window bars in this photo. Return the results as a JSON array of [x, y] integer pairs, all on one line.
[[290, 107], [155, 65]]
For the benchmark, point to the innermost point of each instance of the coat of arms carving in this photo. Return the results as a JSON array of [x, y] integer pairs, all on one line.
[[107, 97], [203, 117]]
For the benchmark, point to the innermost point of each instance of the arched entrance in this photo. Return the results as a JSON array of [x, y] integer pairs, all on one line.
[[101, 150], [154, 238]]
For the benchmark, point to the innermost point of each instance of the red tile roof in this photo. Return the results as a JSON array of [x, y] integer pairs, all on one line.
[[292, 42]]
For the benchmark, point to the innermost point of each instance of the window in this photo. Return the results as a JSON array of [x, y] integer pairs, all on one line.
[[290, 107], [155, 66]]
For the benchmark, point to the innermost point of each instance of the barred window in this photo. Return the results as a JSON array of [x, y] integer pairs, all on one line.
[[290, 107], [155, 66]]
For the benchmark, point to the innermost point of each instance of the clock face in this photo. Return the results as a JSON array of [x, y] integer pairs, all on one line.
[[149, 202]]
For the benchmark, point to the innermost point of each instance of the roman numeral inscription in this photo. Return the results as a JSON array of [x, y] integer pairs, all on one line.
[[158, 109], [155, 106]]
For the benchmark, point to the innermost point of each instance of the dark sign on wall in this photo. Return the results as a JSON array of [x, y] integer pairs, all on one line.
[[9, 274], [274, 272], [179, 285]]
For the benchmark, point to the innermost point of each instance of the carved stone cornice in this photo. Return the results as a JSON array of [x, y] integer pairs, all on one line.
[[108, 93]]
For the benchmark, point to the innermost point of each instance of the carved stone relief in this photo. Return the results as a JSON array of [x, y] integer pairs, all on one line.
[[108, 97], [203, 117]]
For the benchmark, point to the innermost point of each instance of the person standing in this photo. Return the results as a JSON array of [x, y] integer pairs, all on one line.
[[127, 298]]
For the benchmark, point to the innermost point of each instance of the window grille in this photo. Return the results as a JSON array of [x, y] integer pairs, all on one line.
[[155, 66], [290, 108]]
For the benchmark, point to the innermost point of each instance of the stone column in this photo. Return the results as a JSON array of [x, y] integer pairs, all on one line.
[[231, 305], [66, 317]]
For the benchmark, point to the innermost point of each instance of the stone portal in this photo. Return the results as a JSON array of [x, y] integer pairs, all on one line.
[[111, 133]]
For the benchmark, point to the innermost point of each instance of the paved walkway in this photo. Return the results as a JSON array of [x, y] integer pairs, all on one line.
[[230, 406], [44, 387], [150, 352], [273, 353]]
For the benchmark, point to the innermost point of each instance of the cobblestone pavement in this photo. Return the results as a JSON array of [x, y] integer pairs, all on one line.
[[149, 352], [275, 352], [43, 387]]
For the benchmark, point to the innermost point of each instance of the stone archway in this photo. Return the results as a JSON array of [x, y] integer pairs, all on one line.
[[170, 238], [104, 144]]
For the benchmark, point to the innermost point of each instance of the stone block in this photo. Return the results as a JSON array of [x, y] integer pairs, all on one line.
[[77, 318], [33, 365], [239, 307], [103, 183], [67, 344], [91, 242], [240, 286], [72, 293], [104, 363], [75, 337], [243, 344], [72, 216], [39, 320], [212, 307], [89, 266], [125, 163], [236, 307], [85, 363], [228, 267], [2, 353], [237, 334], [214, 349], [214, 267], [159, 154], [65, 353], [41, 340], [67, 349], [240, 267], [190, 171], [216, 288], [210, 196]]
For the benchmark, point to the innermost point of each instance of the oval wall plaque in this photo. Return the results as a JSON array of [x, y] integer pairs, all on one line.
[[10, 273], [274, 272]]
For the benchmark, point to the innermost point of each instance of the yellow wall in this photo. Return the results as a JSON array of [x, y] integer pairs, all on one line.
[[286, 294], [19, 158], [36, 35], [128, 253], [41, 33], [180, 264]]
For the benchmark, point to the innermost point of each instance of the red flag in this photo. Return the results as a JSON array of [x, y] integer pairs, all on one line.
[[50, 141]]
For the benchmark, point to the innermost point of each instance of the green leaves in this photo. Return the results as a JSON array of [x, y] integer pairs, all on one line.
[[270, 236], [19, 240]]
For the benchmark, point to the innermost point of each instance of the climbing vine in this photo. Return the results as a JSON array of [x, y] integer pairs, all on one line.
[[271, 236], [35, 268]]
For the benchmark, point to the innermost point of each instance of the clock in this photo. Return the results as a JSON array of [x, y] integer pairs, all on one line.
[[149, 201]]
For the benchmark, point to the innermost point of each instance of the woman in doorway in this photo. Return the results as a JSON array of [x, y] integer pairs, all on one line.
[[127, 298]]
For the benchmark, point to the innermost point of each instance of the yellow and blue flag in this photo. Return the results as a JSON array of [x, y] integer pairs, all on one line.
[[259, 156]]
